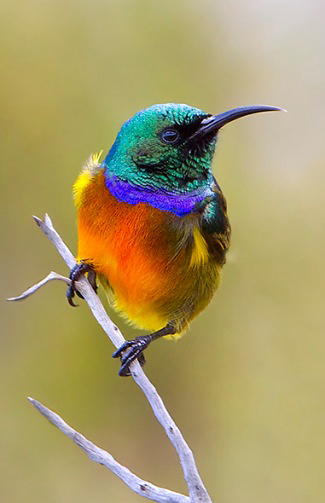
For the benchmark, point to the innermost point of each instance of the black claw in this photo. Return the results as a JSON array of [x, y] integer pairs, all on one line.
[[70, 294], [76, 272], [141, 359], [125, 369], [119, 350], [133, 350]]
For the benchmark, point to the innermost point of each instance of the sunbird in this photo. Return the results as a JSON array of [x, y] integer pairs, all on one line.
[[152, 221]]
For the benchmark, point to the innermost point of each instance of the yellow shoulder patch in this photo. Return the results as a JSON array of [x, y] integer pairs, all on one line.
[[89, 169], [80, 185], [200, 249]]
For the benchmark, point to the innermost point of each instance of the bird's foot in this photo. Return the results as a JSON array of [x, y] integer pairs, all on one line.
[[132, 350], [76, 272]]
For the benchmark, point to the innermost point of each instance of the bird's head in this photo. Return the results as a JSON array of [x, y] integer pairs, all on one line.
[[166, 149]]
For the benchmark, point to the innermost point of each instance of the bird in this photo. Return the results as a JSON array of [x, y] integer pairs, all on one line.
[[152, 221]]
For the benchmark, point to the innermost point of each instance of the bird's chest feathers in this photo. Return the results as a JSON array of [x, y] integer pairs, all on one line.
[[152, 260], [135, 244]]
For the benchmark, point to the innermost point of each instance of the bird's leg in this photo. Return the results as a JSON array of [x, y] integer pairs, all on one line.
[[76, 272], [134, 349]]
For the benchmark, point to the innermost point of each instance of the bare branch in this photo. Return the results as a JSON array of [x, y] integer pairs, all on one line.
[[98, 455], [34, 288], [50, 232], [197, 491]]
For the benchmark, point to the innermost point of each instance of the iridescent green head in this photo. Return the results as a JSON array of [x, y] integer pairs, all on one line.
[[162, 155]]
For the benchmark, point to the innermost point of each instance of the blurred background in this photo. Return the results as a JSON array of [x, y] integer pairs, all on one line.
[[246, 385]]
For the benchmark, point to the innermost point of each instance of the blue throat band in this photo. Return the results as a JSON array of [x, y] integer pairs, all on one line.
[[180, 204]]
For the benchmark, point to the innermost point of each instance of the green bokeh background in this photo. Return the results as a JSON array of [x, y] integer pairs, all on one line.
[[246, 385]]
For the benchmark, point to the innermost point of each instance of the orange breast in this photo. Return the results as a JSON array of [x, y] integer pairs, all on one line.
[[134, 249]]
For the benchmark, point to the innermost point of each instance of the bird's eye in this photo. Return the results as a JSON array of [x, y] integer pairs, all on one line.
[[170, 136]]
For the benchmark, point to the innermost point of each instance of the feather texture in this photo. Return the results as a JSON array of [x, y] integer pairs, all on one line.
[[156, 265]]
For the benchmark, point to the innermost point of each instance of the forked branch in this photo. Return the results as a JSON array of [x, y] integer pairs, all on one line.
[[197, 491]]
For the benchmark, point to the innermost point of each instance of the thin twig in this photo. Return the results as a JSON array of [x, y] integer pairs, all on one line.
[[50, 277], [197, 491], [141, 487]]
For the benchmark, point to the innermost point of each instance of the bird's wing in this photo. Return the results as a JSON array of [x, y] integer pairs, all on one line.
[[215, 226]]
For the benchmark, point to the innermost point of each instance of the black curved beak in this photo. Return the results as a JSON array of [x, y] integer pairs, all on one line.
[[213, 123]]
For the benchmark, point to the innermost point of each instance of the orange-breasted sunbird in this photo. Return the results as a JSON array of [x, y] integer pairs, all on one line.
[[152, 220]]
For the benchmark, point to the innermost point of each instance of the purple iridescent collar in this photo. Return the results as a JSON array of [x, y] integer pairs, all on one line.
[[180, 204]]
